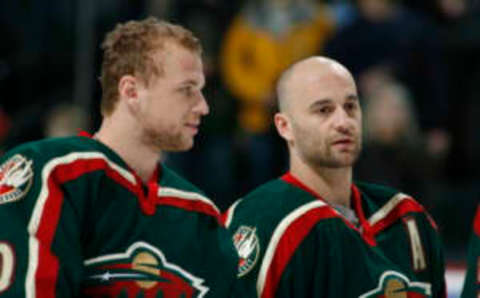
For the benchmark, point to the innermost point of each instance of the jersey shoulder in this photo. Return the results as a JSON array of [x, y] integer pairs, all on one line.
[[176, 191], [276, 194], [274, 203], [29, 169], [69, 148], [386, 204], [171, 178], [384, 197], [379, 194]]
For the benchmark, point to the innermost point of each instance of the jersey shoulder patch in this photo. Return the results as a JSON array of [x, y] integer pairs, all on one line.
[[16, 175]]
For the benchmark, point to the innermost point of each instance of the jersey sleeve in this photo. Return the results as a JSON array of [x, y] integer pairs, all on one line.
[[275, 255], [306, 274], [471, 286], [426, 251], [34, 244], [437, 259]]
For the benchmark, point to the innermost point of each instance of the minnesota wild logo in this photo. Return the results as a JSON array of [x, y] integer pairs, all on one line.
[[15, 178], [395, 285], [246, 242], [142, 271]]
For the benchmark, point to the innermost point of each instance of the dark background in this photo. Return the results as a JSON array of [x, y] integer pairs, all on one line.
[[416, 63]]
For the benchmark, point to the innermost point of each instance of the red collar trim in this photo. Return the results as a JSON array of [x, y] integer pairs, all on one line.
[[357, 206], [476, 225], [149, 201], [365, 230], [289, 178], [85, 134]]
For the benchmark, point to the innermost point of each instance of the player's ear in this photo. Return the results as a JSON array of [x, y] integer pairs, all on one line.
[[284, 126], [128, 90]]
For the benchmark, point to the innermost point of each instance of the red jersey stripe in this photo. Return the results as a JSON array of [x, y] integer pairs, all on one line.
[[476, 223], [401, 208], [290, 237], [43, 266]]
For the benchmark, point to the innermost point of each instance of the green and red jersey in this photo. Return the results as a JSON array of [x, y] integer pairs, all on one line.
[[76, 221], [292, 243], [471, 287]]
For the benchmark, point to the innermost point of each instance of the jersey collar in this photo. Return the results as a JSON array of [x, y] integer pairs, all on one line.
[[356, 202]]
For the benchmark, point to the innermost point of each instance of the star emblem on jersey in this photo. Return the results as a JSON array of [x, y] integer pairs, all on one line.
[[142, 271], [395, 285], [15, 178], [246, 242]]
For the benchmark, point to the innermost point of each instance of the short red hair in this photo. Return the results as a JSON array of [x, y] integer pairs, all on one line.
[[128, 50]]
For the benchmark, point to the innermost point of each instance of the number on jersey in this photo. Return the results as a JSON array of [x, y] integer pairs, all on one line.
[[7, 262]]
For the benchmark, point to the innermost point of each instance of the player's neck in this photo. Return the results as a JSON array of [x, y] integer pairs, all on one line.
[[123, 140], [333, 185]]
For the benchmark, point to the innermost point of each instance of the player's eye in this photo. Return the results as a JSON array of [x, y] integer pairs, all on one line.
[[351, 106], [325, 110], [188, 91]]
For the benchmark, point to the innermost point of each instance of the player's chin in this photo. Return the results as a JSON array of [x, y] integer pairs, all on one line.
[[346, 159], [184, 145]]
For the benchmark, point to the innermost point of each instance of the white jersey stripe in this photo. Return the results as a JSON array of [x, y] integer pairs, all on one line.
[[277, 235], [38, 210], [186, 195], [230, 213], [387, 208]]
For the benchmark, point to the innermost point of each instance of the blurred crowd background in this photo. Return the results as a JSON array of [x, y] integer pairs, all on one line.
[[416, 64]]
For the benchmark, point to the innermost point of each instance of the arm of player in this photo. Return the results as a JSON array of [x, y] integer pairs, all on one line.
[[30, 208], [290, 258], [471, 286], [306, 273], [436, 269]]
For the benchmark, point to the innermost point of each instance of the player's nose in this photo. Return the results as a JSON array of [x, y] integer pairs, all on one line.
[[202, 107], [342, 121]]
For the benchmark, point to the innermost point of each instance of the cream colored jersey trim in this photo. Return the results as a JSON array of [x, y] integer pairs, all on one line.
[[38, 210], [276, 236]]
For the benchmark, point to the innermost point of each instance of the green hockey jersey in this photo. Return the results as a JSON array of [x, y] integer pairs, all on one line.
[[291, 243], [76, 221], [471, 287]]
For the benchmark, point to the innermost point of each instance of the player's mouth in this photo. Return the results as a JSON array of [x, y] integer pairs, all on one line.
[[193, 127], [344, 142]]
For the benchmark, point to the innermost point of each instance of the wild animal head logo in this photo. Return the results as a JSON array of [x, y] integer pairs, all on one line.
[[395, 285], [142, 271]]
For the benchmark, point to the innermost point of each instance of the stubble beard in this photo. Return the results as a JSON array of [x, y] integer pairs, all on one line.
[[166, 140], [327, 158]]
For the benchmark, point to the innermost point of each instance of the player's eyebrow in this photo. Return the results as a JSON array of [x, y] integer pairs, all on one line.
[[192, 82], [319, 103], [352, 97], [324, 101]]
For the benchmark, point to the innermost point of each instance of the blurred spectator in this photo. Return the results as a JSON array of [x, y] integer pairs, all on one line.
[[264, 38], [461, 37], [5, 126], [386, 33], [393, 141], [65, 120]]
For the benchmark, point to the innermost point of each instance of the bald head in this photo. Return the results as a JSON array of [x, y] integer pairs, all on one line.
[[320, 116], [304, 73]]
